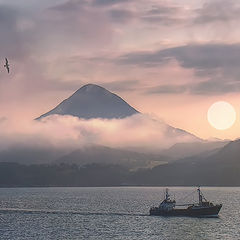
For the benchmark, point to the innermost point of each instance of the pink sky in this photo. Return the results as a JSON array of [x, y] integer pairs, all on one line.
[[172, 59]]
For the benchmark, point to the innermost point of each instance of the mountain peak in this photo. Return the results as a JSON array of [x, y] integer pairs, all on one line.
[[93, 101], [91, 88]]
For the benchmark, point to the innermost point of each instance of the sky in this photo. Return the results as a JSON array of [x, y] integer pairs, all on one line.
[[171, 59]]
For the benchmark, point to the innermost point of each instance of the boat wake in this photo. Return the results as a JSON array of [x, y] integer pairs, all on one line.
[[48, 211]]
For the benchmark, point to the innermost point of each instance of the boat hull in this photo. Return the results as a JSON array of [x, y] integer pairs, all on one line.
[[211, 211]]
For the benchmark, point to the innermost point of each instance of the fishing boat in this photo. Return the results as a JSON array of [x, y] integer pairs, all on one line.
[[203, 208]]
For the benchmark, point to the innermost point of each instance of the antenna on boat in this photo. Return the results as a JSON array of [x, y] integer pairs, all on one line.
[[199, 195], [167, 194]]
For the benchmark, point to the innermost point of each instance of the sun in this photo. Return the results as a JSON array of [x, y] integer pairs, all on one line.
[[221, 115]]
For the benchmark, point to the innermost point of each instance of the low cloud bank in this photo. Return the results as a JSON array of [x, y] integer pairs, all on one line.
[[135, 132]]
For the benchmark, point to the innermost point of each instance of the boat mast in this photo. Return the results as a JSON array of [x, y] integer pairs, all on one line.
[[167, 194], [199, 196]]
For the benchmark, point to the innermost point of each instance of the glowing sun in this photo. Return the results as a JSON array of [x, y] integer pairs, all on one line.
[[221, 115]]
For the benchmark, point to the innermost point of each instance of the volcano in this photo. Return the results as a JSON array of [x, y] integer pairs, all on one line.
[[93, 101]]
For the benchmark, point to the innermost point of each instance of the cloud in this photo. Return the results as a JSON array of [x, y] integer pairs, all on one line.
[[127, 85], [37, 43], [209, 87], [164, 14], [42, 38], [199, 57], [215, 87], [154, 13], [121, 15], [11, 32], [105, 3], [218, 11], [218, 63], [167, 89], [137, 131], [46, 39], [69, 6], [76, 23]]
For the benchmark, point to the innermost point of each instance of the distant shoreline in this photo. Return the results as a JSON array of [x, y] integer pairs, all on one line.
[[14, 175], [122, 186]]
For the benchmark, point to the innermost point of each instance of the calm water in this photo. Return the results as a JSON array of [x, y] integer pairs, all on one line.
[[111, 213]]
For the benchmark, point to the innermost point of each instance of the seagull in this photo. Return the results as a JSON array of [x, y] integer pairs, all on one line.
[[7, 65]]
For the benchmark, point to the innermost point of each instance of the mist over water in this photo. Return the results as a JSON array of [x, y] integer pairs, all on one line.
[[111, 213]]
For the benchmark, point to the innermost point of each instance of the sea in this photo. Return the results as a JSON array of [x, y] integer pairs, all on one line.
[[112, 213]]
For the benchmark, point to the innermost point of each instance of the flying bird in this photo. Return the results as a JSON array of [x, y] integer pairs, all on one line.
[[7, 65]]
